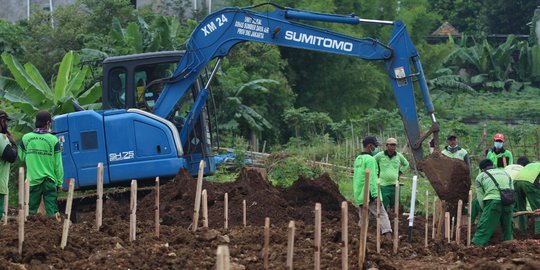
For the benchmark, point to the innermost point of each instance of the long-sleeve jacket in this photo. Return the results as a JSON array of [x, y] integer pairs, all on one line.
[[529, 173], [487, 190], [362, 163], [389, 167], [43, 157], [8, 153]]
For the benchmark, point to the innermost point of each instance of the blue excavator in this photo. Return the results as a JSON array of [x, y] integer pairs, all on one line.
[[155, 118]]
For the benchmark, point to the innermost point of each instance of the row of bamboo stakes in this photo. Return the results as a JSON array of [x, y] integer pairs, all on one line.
[[223, 253]]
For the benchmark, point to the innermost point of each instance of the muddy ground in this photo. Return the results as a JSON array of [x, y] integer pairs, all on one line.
[[179, 248]]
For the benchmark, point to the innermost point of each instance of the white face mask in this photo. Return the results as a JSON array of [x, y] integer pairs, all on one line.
[[498, 145]]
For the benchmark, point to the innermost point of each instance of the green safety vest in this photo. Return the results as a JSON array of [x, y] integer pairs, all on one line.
[[43, 157], [389, 167], [491, 155], [459, 154], [4, 165], [363, 162], [529, 172]]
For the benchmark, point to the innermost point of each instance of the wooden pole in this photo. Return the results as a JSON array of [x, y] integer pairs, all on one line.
[[433, 217], [378, 230], [21, 209], [317, 236], [133, 215], [458, 222], [205, 208], [440, 220], [427, 219], [396, 219], [226, 210], [365, 223], [290, 245], [344, 236], [99, 200], [266, 241], [244, 218], [452, 226], [67, 221], [156, 211], [197, 204], [469, 219], [223, 261], [447, 226], [26, 198], [6, 202]]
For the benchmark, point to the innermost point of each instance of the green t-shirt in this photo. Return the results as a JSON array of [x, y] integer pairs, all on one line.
[[497, 159], [486, 189], [43, 157], [529, 172], [389, 167], [4, 165], [363, 162]]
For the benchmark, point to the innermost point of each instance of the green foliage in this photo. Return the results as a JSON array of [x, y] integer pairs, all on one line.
[[11, 38], [285, 171], [32, 93]]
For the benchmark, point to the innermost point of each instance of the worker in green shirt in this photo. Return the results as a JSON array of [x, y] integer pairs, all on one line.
[[498, 155], [8, 152], [364, 162], [390, 162], [489, 197], [43, 156], [527, 186], [453, 150]]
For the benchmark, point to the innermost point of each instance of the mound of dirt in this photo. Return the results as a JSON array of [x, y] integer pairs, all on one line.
[[449, 177]]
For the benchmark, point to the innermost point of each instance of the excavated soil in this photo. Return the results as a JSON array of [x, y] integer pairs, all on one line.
[[179, 248], [449, 177]]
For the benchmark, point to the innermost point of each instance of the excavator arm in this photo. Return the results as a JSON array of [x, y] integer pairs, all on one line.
[[215, 36]]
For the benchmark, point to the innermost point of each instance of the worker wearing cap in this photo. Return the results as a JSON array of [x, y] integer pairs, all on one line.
[[390, 162], [8, 152], [364, 162], [42, 153], [527, 186], [498, 155], [489, 197], [453, 150]]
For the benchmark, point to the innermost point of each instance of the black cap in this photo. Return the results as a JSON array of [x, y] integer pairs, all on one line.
[[370, 140], [42, 117], [485, 164], [451, 136], [4, 115]]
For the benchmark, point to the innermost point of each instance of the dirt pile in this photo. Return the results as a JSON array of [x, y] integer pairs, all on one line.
[[449, 177]]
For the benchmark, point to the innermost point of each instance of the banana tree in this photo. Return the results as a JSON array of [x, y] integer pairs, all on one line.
[[28, 92]]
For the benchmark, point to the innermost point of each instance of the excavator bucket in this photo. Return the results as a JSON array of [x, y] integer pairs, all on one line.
[[449, 177]]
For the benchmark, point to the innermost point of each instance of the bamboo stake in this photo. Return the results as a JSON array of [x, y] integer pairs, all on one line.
[[266, 241], [378, 230], [67, 221], [440, 220], [458, 222], [427, 219], [6, 202], [197, 204], [344, 236], [290, 245], [433, 217], [226, 210], [452, 226], [223, 261], [396, 219], [205, 208], [99, 201], [317, 236], [156, 211], [447, 226], [26, 197], [365, 223], [21, 209], [133, 215], [469, 219], [244, 218]]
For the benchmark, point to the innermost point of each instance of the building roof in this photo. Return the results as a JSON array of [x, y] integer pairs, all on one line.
[[446, 29]]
